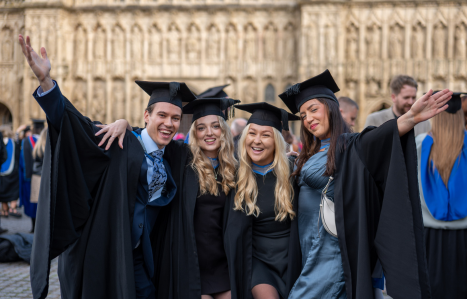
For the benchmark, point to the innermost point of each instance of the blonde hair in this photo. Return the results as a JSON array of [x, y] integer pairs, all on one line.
[[203, 167], [39, 148], [448, 138], [247, 189]]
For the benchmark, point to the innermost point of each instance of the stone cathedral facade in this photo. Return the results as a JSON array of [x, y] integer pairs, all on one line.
[[260, 47]]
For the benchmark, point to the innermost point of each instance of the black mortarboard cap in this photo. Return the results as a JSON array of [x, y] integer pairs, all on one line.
[[265, 114], [455, 103], [214, 92], [37, 123], [212, 106], [171, 92], [321, 86]]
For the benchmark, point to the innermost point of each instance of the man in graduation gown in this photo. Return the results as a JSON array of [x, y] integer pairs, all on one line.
[[97, 207]]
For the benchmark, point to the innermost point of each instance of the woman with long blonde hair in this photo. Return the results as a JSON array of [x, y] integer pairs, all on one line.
[[261, 234], [209, 180], [442, 166]]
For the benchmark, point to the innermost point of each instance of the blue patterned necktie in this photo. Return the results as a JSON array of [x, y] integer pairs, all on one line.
[[159, 176]]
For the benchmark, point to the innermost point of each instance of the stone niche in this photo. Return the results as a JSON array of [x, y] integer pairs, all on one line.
[[98, 48]]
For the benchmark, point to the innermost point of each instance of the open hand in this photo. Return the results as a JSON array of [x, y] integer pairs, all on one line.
[[430, 105], [112, 131], [40, 65]]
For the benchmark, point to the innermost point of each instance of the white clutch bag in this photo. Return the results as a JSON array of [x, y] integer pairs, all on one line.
[[326, 211]]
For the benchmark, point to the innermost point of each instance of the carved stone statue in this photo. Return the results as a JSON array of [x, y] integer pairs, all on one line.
[[80, 44], [439, 44], [352, 43], [289, 40], [396, 42], [330, 44], [460, 42], [155, 44], [118, 100], [312, 43], [50, 38], [213, 44], [232, 43], [136, 104], [118, 44], [98, 103], [79, 97], [418, 42], [137, 44], [250, 93], [7, 44], [99, 44], [373, 42], [193, 48], [250, 44], [173, 43], [269, 43]]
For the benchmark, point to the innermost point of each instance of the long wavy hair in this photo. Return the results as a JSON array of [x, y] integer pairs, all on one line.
[[448, 139], [202, 165], [312, 145], [247, 189], [39, 149]]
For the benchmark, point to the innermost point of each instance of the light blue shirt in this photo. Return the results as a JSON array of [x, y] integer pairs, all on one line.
[[150, 146], [40, 93]]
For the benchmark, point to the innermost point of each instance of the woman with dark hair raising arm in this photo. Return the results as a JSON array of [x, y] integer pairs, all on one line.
[[370, 180]]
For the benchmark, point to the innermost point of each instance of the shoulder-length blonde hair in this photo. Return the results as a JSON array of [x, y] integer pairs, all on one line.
[[448, 138], [247, 189], [38, 151], [203, 167]]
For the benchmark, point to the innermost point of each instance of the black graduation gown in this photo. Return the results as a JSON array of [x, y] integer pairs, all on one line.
[[85, 211], [378, 213], [9, 184], [179, 274], [238, 242]]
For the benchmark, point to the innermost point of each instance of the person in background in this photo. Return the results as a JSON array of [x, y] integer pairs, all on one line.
[[442, 168], [403, 95], [9, 177], [3, 158], [464, 109], [236, 128], [38, 158], [292, 145], [26, 163], [349, 110]]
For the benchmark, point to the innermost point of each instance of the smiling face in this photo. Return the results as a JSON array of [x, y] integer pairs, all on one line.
[[208, 135], [259, 143], [315, 119], [404, 100], [163, 122]]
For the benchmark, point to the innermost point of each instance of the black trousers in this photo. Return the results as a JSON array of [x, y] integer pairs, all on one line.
[[144, 286]]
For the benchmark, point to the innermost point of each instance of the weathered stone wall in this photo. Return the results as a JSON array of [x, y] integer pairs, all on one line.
[[99, 47]]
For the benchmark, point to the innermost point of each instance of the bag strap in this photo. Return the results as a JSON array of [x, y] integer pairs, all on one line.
[[322, 202]]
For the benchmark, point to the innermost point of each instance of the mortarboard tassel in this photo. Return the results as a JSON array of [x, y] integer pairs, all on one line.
[[294, 89], [285, 119], [174, 87]]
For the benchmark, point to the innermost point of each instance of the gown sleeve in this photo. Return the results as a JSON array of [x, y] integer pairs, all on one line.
[[392, 221], [72, 168]]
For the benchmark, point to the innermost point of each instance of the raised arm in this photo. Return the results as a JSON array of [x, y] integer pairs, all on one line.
[[423, 109], [53, 105]]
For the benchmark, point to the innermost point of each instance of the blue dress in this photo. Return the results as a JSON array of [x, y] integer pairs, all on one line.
[[322, 273]]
